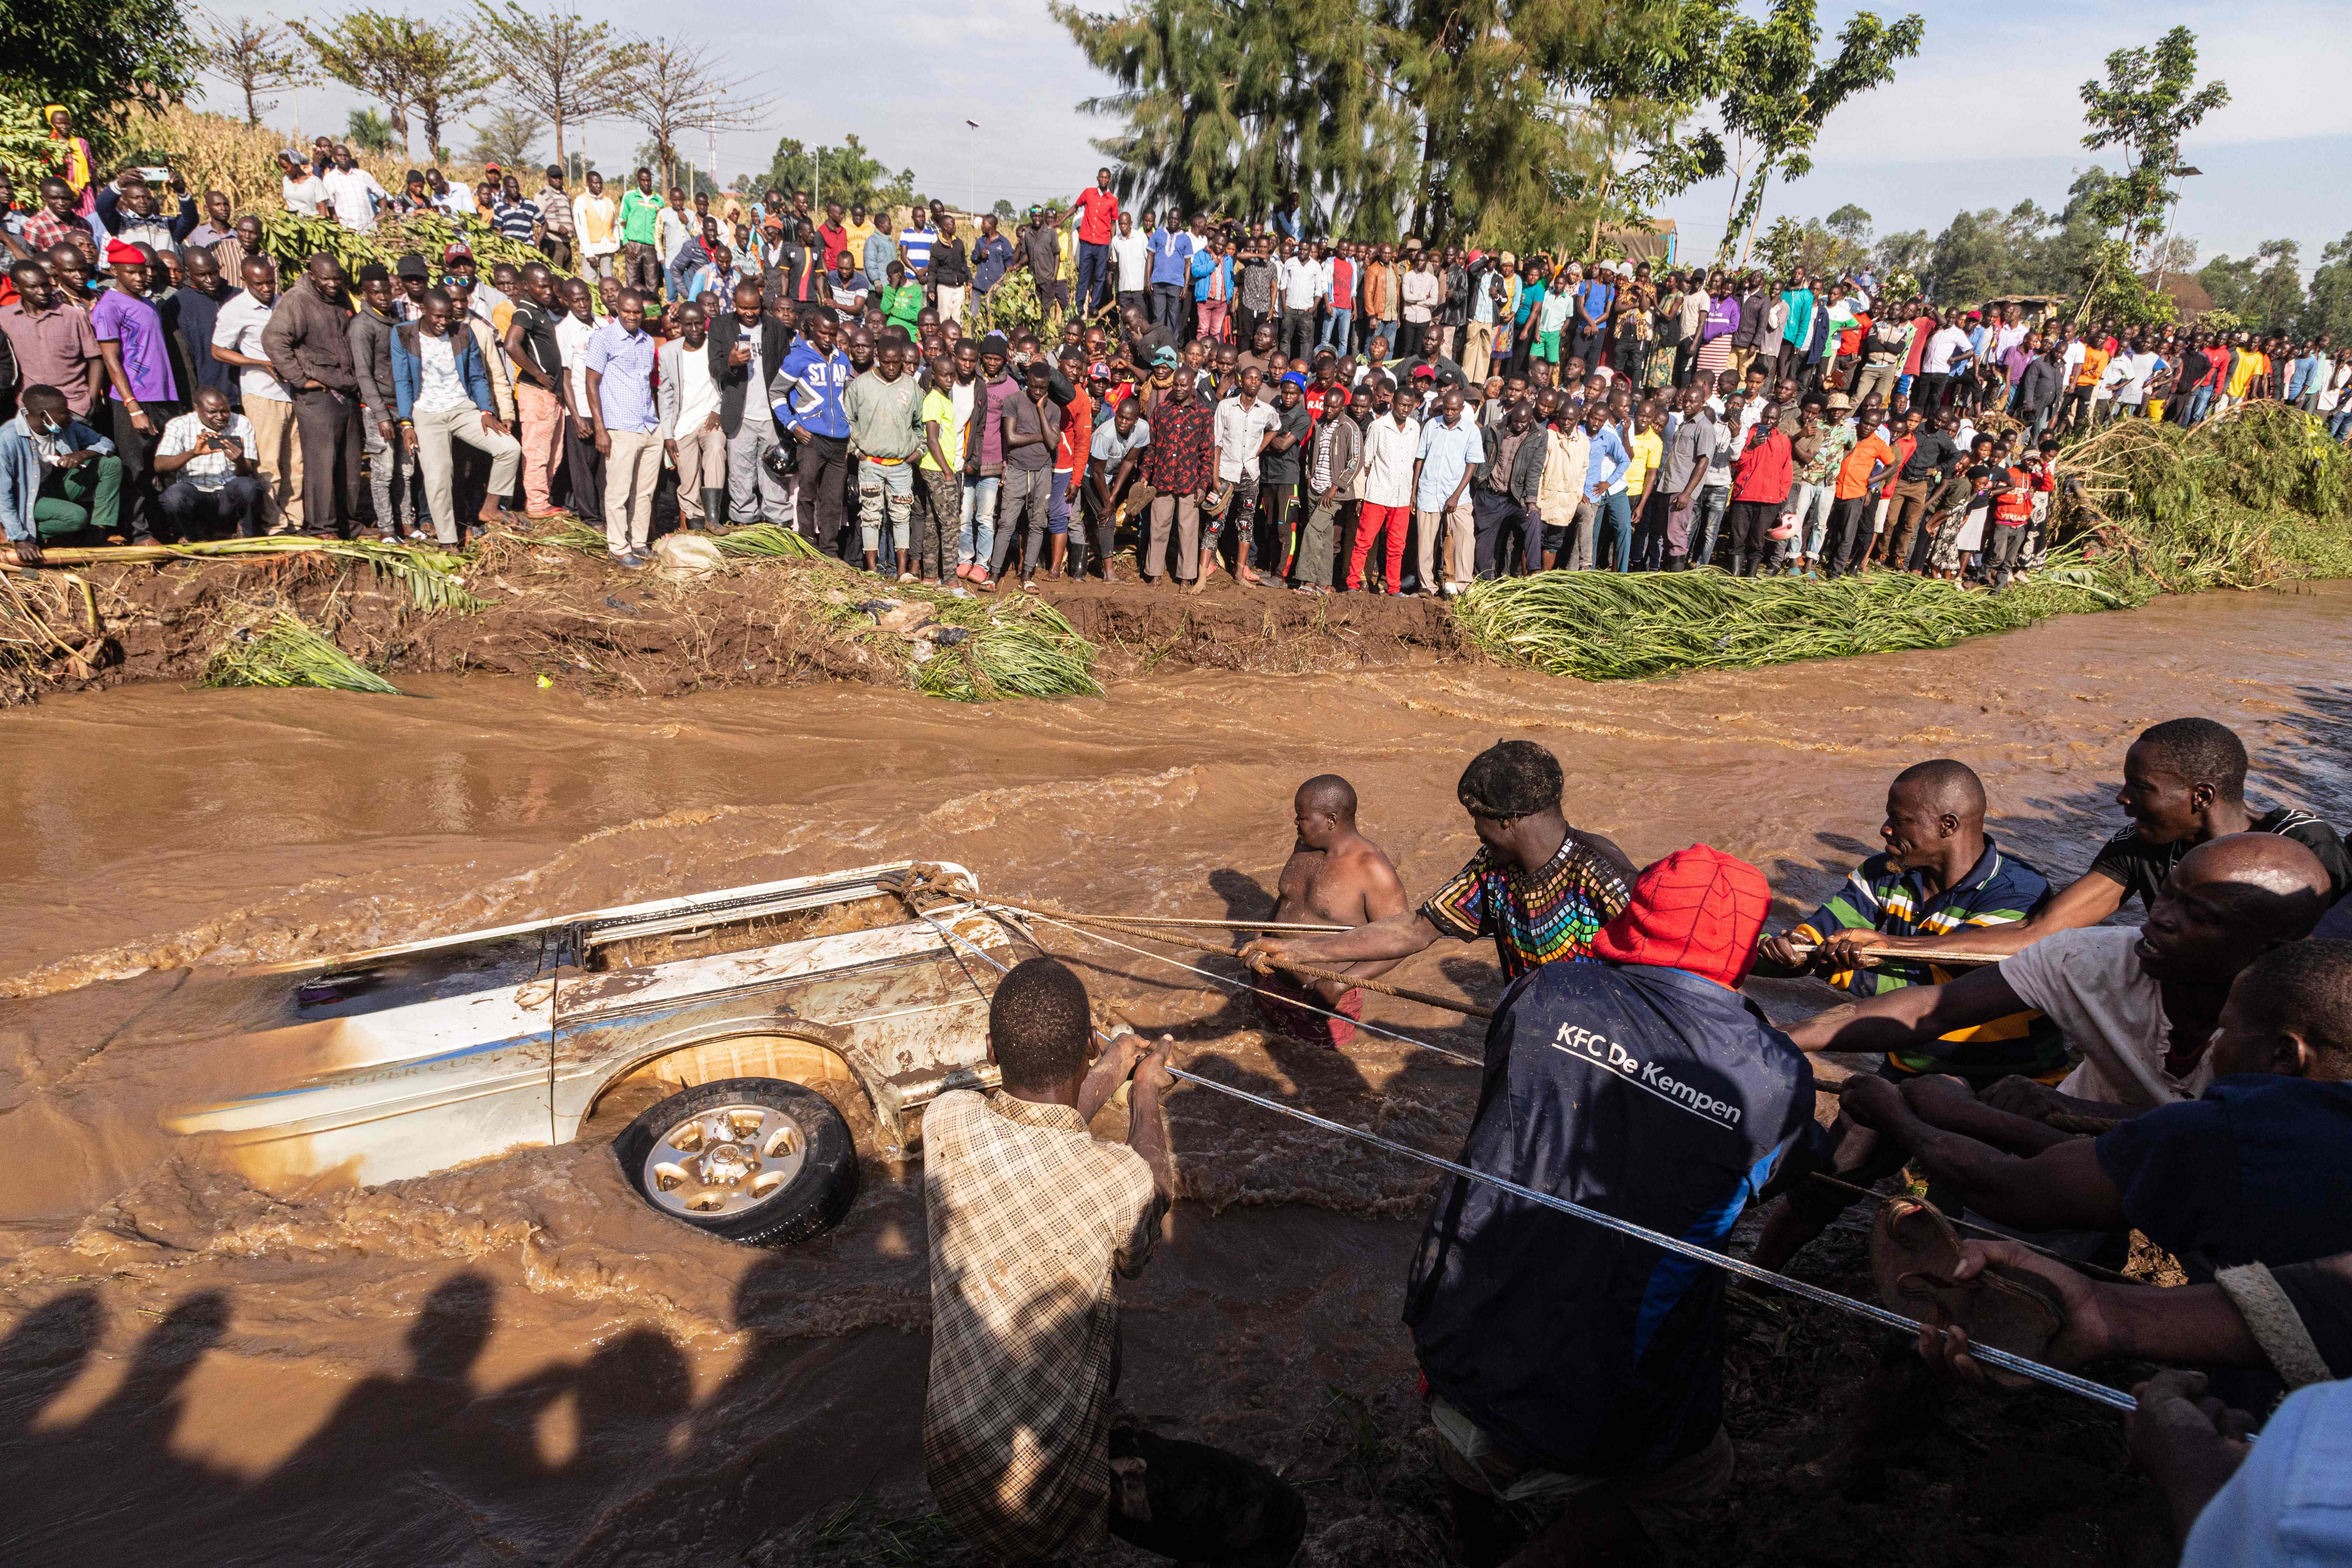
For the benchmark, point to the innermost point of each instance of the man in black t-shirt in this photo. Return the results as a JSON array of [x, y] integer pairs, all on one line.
[[1934, 455], [2184, 784]]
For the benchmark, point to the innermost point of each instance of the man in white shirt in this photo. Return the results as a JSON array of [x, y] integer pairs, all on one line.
[[237, 340], [353, 194], [1131, 257], [207, 462], [1243, 422], [1391, 443], [305, 192], [453, 199], [1298, 280]]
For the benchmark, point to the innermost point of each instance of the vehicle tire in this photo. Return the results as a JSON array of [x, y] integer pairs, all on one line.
[[755, 1159]]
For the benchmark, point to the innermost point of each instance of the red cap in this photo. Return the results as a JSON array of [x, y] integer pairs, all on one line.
[[122, 253], [1698, 909], [453, 252]]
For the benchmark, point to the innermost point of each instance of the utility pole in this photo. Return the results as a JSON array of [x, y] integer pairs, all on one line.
[[972, 171], [816, 196]]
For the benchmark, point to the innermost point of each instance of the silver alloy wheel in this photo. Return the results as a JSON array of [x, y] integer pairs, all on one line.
[[726, 1160]]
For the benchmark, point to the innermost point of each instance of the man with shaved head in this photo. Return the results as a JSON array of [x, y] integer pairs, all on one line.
[[2256, 1169], [2141, 1005], [1335, 876], [2184, 784]]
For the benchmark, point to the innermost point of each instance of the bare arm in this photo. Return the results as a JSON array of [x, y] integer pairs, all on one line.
[[110, 350], [1904, 1017], [1400, 935], [2062, 1188], [2088, 899], [1147, 1125]]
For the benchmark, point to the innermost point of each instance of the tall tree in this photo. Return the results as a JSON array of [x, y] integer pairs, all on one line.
[[507, 137], [849, 172], [447, 77], [564, 70], [1227, 106], [1538, 118], [369, 52], [2148, 103], [676, 87], [2277, 297], [1780, 95], [2328, 306], [98, 57], [368, 131], [255, 57]]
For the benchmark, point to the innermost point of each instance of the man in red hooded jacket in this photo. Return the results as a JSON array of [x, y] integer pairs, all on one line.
[[1564, 1361]]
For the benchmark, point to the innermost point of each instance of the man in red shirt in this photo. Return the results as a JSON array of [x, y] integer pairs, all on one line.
[[1760, 477], [1097, 217]]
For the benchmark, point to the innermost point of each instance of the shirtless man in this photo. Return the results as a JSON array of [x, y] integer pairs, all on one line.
[[1335, 876]]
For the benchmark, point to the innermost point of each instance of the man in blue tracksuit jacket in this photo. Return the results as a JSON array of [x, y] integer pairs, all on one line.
[[1558, 1355], [806, 391]]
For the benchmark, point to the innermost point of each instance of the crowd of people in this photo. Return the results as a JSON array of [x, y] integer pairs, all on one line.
[[1321, 415], [2190, 1079]]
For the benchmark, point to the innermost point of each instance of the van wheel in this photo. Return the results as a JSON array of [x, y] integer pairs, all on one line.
[[755, 1159]]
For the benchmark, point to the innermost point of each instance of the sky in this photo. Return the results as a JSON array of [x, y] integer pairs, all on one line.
[[1987, 115]]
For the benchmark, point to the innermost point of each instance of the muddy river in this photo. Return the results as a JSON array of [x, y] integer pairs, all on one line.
[[518, 1362]]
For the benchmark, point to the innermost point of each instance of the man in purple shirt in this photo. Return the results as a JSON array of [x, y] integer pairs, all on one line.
[[144, 398]]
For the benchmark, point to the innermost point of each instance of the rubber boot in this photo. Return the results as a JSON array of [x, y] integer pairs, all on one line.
[[1740, 563], [714, 509]]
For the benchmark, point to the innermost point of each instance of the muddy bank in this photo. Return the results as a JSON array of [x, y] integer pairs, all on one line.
[[515, 1362], [586, 625]]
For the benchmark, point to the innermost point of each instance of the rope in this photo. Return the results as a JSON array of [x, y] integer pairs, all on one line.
[[1236, 987], [1296, 930], [1291, 967], [1916, 955], [2096, 1392]]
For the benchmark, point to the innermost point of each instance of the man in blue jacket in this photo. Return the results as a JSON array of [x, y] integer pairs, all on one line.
[[806, 394], [1564, 1361], [441, 393], [57, 476]]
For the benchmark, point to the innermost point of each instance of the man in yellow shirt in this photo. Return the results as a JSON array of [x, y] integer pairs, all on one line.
[[859, 229]]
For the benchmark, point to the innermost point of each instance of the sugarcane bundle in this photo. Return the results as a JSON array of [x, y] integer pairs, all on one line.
[[266, 648], [293, 240], [1607, 625]]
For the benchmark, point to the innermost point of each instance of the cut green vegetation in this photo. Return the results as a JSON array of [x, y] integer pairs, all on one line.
[[279, 648], [2256, 497]]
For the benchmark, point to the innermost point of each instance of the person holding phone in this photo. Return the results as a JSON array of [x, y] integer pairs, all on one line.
[[211, 466]]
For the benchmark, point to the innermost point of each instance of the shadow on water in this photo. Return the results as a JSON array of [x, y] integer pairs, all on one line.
[[606, 1460]]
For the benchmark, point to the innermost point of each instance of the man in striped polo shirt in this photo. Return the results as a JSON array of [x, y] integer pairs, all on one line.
[[1940, 872]]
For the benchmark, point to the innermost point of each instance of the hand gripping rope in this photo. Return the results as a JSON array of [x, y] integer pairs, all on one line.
[[2096, 1392]]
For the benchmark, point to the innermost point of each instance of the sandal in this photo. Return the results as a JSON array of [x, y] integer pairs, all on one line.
[[1912, 1251]]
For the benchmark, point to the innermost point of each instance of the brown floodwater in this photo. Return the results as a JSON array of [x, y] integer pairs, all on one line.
[[517, 1361]]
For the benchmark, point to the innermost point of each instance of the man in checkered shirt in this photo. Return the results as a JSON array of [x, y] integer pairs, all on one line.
[[1028, 1214]]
